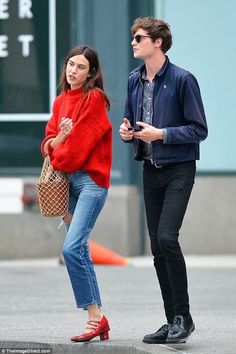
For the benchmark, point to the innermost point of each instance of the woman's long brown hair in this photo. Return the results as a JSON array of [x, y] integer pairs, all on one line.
[[93, 81]]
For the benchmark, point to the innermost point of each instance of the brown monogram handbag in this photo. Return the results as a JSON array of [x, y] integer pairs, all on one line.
[[53, 191]]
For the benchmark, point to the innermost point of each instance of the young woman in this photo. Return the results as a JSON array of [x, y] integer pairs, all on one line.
[[79, 141]]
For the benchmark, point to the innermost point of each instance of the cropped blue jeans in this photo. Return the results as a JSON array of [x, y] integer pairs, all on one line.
[[86, 201]]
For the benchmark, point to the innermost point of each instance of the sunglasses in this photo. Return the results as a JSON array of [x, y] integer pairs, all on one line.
[[139, 37]]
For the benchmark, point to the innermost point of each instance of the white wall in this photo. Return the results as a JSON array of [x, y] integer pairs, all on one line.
[[204, 42]]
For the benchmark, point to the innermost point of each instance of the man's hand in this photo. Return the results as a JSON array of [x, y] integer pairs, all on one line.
[[126, 134], [148, 133]]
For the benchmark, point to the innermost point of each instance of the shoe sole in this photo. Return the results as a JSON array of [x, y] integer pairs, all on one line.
[[154, 341], [180, 341]]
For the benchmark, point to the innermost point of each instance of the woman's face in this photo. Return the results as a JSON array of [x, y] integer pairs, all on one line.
[[77, 71]]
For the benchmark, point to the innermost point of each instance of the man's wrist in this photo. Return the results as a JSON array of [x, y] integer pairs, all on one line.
[[160, 134]]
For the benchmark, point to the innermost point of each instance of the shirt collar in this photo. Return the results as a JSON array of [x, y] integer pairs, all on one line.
[[144, 75]]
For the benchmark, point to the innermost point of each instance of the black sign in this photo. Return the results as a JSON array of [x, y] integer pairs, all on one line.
[[24, 57]]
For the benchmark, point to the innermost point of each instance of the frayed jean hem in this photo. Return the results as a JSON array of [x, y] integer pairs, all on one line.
[[85, 306]]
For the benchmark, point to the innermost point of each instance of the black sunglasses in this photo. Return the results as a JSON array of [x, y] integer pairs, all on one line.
[[139, 37]]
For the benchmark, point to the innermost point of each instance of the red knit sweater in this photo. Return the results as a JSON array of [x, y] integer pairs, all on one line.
[[89, 145]]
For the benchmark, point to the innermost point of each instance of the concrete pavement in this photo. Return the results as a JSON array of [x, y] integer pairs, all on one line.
[[37, 310]]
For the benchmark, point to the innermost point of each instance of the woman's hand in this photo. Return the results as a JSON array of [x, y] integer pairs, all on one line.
[[66, 125]]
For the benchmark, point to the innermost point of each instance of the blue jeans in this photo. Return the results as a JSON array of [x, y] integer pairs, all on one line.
[[86, 201]]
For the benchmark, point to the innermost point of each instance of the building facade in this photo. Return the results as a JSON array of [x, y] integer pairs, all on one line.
[[34, 38]]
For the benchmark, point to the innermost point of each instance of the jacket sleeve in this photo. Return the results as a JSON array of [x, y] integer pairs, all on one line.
[[90, 126], [195, 129], [128, 113]]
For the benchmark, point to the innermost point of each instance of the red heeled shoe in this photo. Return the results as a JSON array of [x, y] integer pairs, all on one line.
[[98, 328]]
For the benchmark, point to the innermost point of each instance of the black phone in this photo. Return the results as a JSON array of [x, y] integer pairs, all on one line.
[[135, 129]]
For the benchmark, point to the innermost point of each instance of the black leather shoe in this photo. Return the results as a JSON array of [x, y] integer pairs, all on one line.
[[159, 337], [181, 329]]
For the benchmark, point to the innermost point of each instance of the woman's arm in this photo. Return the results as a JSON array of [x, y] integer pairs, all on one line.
[[65, 128], [56, 133]]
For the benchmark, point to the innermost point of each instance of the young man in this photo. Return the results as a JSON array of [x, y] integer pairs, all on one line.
[[164, 101]]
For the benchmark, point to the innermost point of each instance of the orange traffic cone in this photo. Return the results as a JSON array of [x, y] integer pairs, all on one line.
[[103, 255]]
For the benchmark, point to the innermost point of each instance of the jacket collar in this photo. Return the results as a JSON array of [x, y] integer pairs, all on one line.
[[160, 72]]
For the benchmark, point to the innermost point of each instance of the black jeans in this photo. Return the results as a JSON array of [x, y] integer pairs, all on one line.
[[166, 195]]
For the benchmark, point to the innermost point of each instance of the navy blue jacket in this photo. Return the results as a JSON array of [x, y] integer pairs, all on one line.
[[177, 107]]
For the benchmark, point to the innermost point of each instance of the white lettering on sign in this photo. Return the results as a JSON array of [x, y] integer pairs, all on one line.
[[25, 39], [3, 9], [25, 9], [3, 46]]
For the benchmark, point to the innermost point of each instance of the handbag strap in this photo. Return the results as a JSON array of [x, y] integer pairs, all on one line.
[[46, 168]]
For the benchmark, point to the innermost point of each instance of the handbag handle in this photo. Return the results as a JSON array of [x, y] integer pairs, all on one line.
[[46, 169]]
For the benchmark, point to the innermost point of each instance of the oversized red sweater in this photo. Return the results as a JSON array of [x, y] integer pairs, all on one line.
[[89, 145]]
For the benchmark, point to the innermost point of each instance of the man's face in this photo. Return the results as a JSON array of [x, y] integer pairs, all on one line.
[[143, 46]]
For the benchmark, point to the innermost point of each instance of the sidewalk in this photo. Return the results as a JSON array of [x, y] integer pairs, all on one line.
[[37, 307]]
